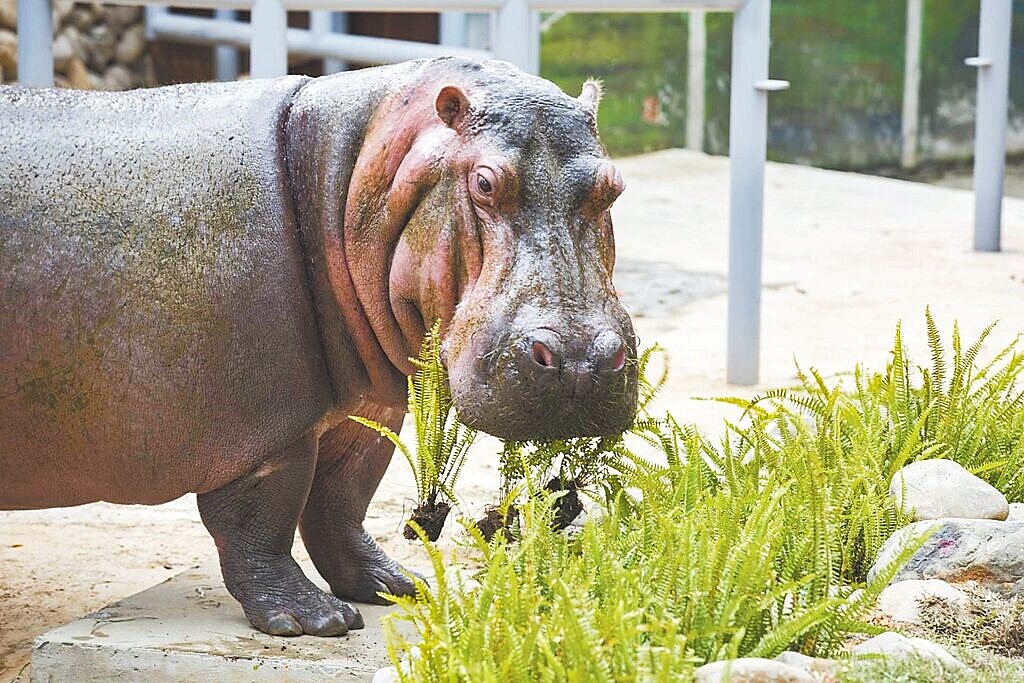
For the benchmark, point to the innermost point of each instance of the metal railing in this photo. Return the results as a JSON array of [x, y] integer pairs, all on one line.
[[514, 31]]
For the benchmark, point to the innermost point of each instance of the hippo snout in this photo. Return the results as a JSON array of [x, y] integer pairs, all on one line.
[[546, 384]]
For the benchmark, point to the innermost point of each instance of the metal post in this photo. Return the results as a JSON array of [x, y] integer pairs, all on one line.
[[516, 35], [322, 22], [748, 137], [993, 62], [268, 52], [451, 28], [911, 83], [35, 43], [226, 56], [695, 68]]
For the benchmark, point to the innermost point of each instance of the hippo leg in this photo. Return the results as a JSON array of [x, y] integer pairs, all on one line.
[[350, 465], [252, 520]]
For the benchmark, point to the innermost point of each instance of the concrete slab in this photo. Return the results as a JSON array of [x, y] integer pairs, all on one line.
[[189, 629]]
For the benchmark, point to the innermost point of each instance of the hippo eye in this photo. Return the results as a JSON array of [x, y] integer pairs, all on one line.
[[484, 184]]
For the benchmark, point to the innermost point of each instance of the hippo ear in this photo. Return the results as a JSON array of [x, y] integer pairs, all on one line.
[[590, 96], [452, 106]]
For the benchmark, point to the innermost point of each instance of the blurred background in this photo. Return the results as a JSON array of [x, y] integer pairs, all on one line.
[[845, 58]]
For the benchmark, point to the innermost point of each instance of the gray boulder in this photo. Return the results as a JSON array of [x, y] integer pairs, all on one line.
[[937, 489], [982, 550]]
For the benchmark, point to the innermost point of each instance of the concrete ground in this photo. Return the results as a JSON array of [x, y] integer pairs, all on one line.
[[846, 257]]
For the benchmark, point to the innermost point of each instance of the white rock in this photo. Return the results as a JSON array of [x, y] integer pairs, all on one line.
[[388, 674], [751, 670], [894, 644], [817, 665], [901, 601], [938, 489], [9, 14], [1016, 513], [61, 9], [132, 45], [8, 50], [63, 51], [982, 550], [117, 77]]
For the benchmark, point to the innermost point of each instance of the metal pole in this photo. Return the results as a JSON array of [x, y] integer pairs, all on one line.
[[323, 22], [696, 48], [911, 83], [993, 64], [268, 51], [516, 35], [748, 137], [451, 28], [226, 56], [35, 43]]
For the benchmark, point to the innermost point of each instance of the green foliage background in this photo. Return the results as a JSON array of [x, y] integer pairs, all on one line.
[[843, 57]]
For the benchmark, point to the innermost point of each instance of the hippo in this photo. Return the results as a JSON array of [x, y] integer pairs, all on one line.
[[200, 283]]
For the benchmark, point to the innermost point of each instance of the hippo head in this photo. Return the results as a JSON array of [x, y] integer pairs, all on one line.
[[499, 216]]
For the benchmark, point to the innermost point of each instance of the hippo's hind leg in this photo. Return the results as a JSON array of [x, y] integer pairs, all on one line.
[[351, 462], [252, 520]]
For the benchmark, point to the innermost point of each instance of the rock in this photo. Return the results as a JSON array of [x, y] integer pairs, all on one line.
[[117, 77], [815, 665], [751, 670], [1016, 513], [78, 44], [8, 51], [982, 550], [891, 643], [388, 674], [901, 601], [939, 489], [81, 18], [120, 16], [102, 46], [98, 11], [9, 14], [63, 51], [132, 45], [61, 9], [79, 76]]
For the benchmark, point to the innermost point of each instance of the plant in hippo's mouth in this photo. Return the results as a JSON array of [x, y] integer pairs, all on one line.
[[442, 441], [568, 466]]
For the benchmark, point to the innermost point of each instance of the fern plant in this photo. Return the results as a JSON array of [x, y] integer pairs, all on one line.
[[442, 441], [745, 545], [702, 566]]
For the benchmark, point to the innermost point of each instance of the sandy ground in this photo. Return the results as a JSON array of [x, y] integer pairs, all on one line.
[[846, 257]]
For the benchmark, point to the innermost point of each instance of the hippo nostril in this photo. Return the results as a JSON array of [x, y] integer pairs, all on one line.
[[619, 360], [542, 355]]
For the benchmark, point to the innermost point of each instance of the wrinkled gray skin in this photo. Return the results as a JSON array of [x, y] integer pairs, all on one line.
[[198, 284]]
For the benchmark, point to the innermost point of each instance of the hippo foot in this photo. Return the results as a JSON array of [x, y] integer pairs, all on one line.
[[278, 599], [367, 571]]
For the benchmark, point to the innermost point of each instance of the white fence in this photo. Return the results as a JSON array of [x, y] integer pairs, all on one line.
[[515, 38]]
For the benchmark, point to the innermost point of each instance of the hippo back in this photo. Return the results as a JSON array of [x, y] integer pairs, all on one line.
[[154, 312]]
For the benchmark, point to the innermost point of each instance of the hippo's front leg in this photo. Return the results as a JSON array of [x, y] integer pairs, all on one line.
[[252, 520], [350, 465]]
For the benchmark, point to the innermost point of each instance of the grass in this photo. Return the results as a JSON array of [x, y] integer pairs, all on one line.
[[747, 545]]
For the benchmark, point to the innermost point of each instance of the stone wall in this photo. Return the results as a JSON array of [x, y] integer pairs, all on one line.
[[95, 47]]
